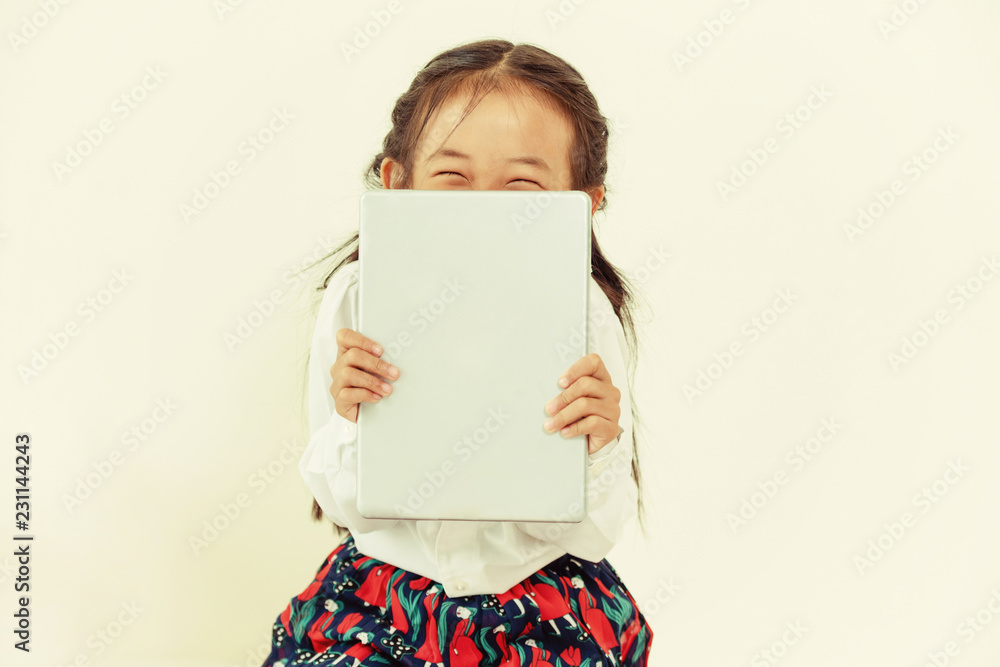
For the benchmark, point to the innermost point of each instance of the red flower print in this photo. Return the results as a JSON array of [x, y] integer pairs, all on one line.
[[311, 590], [375, 585], [349, 622], [571, 655]]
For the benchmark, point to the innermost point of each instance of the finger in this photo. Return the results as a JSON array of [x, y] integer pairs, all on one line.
[[596, 427], [350, 396], [599, 431], [582, 408], [590, 364], [358, 358], [355, 378], [587, 385], [348, 338]]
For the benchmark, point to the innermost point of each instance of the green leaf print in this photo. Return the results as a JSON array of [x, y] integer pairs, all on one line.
[[487, 645], [617, 610], [303, 618]]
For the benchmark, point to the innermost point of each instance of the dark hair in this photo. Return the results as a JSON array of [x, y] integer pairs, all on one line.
[[495, 64]]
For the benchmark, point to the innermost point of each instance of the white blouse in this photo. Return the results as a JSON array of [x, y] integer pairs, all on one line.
[[467, 557]]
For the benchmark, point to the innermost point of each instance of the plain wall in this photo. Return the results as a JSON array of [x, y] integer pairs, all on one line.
[[875, 338]]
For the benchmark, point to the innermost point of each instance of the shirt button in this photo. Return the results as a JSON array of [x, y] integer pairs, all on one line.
[[460, 585]]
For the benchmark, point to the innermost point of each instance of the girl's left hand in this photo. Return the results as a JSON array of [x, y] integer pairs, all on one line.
[[589, 404]]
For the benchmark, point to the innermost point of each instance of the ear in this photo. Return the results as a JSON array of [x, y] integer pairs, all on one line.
[[391, 172], [596, 197]]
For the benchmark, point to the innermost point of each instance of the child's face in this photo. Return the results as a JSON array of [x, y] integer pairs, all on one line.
[[505, 143]]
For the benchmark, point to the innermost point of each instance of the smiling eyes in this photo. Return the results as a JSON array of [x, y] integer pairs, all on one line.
[[516, 180]]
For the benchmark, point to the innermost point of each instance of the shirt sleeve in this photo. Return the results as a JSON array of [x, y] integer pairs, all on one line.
[[329, 464], [611, 491]]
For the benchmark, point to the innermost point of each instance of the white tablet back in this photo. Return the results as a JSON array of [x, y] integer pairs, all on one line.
[[480, 299]]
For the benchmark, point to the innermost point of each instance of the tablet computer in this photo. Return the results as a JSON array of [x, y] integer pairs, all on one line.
[[480, 298]]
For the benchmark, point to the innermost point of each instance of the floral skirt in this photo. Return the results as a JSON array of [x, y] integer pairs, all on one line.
[[362, 611]]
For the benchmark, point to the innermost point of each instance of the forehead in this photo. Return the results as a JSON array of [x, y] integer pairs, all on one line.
[[501, 124]]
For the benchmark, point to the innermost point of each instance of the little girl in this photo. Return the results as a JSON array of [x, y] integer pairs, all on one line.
[[483, 116]]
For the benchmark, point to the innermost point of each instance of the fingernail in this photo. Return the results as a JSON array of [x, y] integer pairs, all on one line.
[[563, 382], [548, 425], [393, 371], [377, 349], [386, 388]]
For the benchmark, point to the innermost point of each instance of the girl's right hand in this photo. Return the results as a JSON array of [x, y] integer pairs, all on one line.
[[358, 374]]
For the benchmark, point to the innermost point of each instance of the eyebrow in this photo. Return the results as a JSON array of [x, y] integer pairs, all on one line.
[[531, 160]]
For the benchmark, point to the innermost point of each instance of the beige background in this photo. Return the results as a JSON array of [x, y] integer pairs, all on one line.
[[714, 595]]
